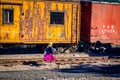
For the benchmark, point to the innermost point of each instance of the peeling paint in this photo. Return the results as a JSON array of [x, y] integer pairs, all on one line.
[[34, 22]]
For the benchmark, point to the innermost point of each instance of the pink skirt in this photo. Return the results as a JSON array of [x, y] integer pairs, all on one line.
[[49, 57]]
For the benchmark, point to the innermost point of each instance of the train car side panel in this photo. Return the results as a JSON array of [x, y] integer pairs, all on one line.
[[9, 23], [49, 21], [105, 23], [116, 23], [39, 21], [96, 22]]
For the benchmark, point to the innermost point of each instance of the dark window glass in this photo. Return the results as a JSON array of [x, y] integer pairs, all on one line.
[[7, 16], [57, 18]]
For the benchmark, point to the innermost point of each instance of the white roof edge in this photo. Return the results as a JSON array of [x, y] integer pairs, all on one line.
[[105, 2]]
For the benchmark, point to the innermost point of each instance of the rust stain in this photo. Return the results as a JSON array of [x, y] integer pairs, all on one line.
[[74, 22], [47, 8], [62, 35], [21, 22], [6, 35], [40, 23], [63, 7], [56, 6], [28, 26], [33, 22]]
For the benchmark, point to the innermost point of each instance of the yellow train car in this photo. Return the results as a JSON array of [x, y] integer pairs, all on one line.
[[39, 21], [35, 23], [10, 21]]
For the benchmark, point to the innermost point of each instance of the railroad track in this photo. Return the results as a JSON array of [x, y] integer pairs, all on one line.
[[114, 60], [59, 61]]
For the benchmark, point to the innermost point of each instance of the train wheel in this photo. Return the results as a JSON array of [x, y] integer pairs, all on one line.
[[70, 49]]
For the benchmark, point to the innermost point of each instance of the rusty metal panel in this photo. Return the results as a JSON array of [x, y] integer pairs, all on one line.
[[105, 23], [109, 31], [35, 22], [9, 33], [116, 24], [95, 21], [74, 23]]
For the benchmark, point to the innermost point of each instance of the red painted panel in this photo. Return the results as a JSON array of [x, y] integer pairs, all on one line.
[[116, 23], [110, 23], [96, 21], [105, 23]]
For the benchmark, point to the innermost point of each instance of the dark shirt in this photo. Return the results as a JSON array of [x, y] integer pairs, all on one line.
[[49, 50]]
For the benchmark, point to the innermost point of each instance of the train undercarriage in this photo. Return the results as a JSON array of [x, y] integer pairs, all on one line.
[[89, 48], [98, 47], [36, 48]]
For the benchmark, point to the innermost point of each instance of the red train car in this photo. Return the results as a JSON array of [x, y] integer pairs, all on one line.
[[100, 22]]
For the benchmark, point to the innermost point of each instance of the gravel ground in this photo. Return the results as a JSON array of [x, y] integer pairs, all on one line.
[[76, 73], [64, 74], [36, 72], [20, 56]]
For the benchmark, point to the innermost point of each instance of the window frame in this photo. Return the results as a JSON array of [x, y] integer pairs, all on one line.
[[8, 21], [60, 23]]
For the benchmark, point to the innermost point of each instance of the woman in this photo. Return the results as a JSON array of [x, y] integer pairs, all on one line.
[[48, 53]]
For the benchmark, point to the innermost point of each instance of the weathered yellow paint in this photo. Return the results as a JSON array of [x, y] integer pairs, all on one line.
[[78, 24], [11, 1], [10, 32], [33, 24]]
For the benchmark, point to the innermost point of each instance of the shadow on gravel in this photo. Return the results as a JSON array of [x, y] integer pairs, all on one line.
[[31, 63], [112, 71], [19, 51], [111, 52]]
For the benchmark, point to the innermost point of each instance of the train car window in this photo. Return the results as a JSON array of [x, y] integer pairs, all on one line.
[[8, 16], [57, 18]]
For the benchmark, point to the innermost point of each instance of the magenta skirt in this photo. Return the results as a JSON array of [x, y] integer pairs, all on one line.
[[49, 57]]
